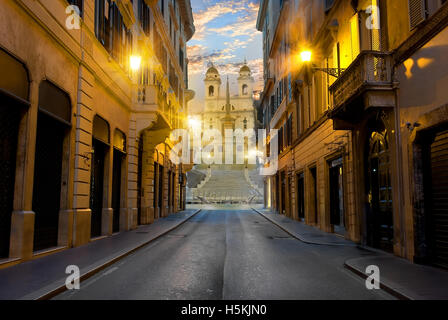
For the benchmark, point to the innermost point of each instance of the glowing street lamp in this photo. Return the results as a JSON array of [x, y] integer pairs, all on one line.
[[306, 56], [136, 62]]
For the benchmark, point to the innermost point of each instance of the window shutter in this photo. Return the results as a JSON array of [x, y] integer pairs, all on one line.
[[417, 12]]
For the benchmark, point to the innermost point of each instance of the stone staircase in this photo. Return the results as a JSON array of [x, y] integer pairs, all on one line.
[[228, 184]]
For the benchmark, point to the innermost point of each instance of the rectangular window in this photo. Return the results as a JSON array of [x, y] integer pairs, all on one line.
[[144, 13], [111, 31], [289, 130], [280, 140]]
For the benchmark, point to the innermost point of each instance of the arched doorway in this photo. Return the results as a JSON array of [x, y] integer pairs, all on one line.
[[119, 157], [14, 88], [100, 147], [380, 231], [53, 125]]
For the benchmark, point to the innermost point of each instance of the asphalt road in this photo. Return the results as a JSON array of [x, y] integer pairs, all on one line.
[[225, 254]]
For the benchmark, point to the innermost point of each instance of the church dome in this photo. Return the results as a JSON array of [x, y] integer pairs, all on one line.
[[212, 72], [245, 72], [244, 68]]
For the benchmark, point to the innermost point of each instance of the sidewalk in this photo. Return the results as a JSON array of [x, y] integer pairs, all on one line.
[[305, 233], [404, 279], [43, 277], [398, 276]]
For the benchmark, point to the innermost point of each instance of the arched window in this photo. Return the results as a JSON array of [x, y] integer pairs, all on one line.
[[211, 91], [245, 89]]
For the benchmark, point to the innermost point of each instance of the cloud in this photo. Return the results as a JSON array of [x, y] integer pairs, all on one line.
[[245, 25], [225, 34], [203, 17]]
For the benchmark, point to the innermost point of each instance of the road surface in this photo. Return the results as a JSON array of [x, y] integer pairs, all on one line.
[[229, 254]]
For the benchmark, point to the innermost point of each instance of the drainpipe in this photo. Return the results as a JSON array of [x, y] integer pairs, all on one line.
[[398, 142]]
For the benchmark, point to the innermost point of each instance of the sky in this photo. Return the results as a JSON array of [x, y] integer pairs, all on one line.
[[225, 35]]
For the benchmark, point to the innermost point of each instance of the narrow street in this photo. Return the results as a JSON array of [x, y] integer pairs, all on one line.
[[229, 254]]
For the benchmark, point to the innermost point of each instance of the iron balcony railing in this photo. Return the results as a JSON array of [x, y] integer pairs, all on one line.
[[371, 70]]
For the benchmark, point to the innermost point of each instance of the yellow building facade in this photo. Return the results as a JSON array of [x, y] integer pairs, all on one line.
[[364, 91], [88, 102]]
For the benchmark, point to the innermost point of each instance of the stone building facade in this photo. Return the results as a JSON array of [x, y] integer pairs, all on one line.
[[363, 86], [84, 133]]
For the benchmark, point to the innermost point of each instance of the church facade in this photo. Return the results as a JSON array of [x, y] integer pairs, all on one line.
[[240, 107]]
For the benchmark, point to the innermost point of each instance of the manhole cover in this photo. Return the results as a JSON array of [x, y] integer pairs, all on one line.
[[142, 232], [176, 236]]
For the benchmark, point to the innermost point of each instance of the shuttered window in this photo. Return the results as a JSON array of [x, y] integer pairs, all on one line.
[[417, 12]]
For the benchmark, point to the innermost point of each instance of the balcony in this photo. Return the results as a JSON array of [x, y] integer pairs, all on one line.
[[366, 83], [150, 101]]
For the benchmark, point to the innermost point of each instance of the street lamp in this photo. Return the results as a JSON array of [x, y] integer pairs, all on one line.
[[135, 62], [306, 57]]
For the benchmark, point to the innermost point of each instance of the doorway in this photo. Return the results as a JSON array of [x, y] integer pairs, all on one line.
[[301, 196], [9, 130], [116, 188], [97, 186], [314, 207], [100, 147], [283, 192], [160, 191], [156, 190], [337, 217], [438, 217], [119, 156], [47, 180], [53, 125], [380, 231]]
